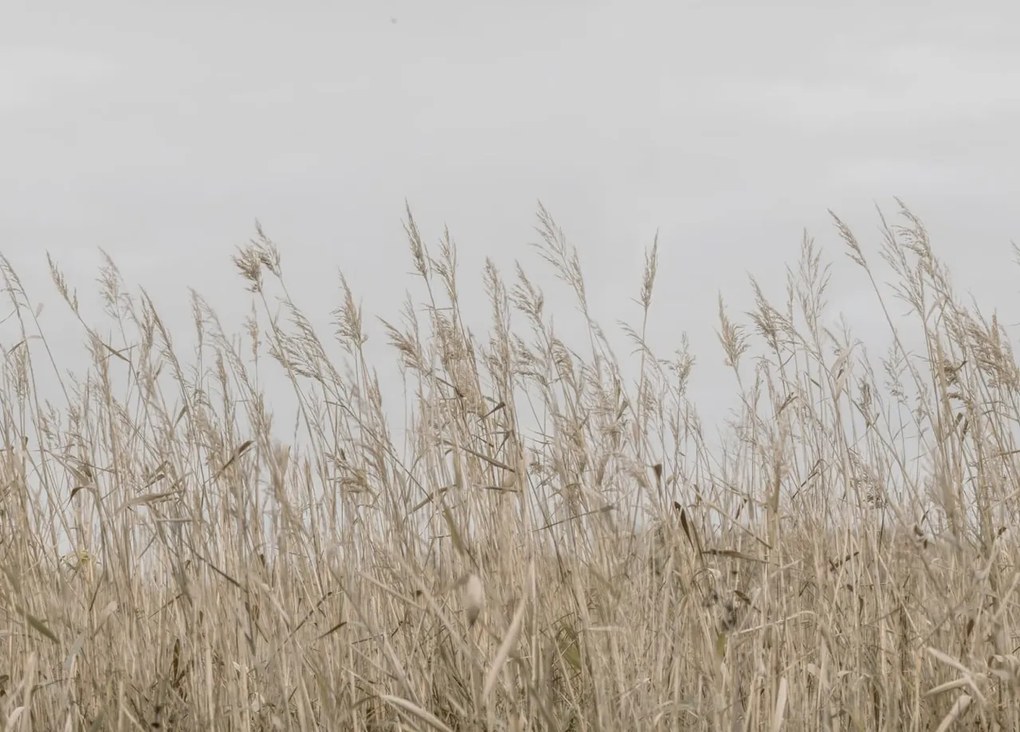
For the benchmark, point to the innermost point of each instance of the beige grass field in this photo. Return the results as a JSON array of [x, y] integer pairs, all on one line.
[[554, 543]]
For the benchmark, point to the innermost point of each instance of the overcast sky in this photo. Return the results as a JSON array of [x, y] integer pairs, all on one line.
[[161, 132]]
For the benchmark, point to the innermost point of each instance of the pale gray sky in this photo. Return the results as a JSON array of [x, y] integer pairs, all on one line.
[[160, 133]]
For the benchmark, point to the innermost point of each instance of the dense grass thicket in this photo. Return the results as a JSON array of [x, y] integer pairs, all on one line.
[[553, 543]]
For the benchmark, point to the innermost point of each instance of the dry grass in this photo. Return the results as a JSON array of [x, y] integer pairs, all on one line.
[[556, 547]]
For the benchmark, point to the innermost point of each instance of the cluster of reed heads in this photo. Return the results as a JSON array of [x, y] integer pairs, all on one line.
[[549, 539]]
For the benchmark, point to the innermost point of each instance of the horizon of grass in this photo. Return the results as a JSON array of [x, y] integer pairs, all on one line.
[[553, 544]]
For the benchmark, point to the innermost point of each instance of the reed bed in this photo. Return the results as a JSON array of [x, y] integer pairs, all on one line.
[[551, 541]]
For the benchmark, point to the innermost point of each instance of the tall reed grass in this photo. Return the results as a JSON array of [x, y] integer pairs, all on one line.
[[554, 544]]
